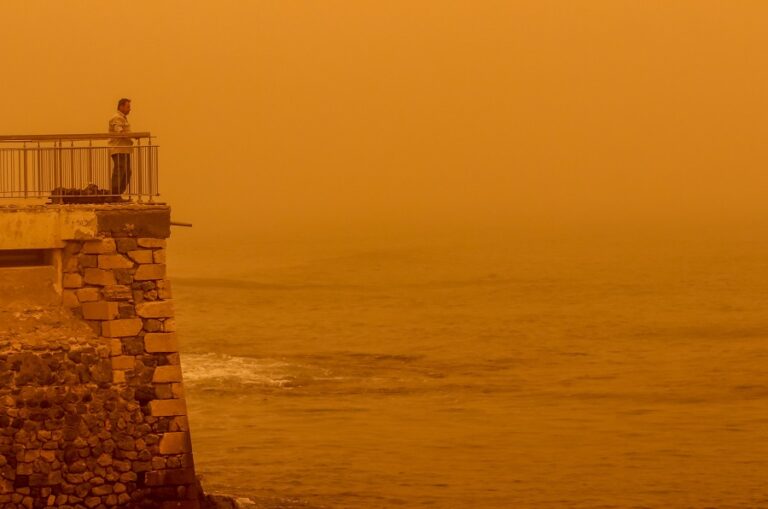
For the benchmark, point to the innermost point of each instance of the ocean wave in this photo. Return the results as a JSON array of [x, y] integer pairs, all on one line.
[[219, 370]]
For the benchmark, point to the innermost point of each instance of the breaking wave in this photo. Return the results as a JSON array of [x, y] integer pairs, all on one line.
[[219, 370]]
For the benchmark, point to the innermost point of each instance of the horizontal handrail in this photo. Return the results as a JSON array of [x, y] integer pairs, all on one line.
[[73, 137]]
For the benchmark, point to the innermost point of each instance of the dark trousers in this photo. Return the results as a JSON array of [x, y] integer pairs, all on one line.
[[121, 172]]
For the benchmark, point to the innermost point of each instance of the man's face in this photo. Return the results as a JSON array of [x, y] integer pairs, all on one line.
[[125, 108]]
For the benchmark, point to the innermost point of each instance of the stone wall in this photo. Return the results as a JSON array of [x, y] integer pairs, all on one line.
[[98, 419]]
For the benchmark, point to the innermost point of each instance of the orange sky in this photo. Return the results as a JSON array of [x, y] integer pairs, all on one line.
[[364, 114]]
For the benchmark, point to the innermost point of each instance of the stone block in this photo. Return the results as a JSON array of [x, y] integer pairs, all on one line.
[[153, 325], [161, 342], [164, 289], [121, 328], [180, 423], [88, 261], [72, 247], [99, 277], [117, 292], [88, 294], [6, 486], [145, 286], [170, 476], [114, 261], [103, 489], [100, 310], [159, 256], [49, 479], [175, 443], [167, 407], [69, 264], [115, 347], [151, 243], [141, 256], [118, 377], [69, 299], [126, 245], [163, 391], [134, 346], [123, 362], [177, 389], [123, 276], [126, 310], [100, 246], [166, 374], [149, 271], [95, 325], [158, 309], [169, 325], [72, 280]]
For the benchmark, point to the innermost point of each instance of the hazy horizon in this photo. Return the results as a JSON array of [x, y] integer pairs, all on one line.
[[415, 116]]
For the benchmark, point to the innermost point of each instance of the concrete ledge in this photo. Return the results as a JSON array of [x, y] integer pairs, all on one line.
[[48, 226], [151, 221]]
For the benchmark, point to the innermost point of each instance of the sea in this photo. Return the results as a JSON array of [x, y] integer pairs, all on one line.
[[578, 370]]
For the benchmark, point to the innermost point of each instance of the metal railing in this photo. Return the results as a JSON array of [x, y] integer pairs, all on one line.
[[76, 168]]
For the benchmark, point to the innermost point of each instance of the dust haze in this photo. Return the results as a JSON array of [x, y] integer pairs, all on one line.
[[402, 116]]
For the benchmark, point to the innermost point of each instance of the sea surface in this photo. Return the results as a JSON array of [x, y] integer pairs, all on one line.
[[579, 371]]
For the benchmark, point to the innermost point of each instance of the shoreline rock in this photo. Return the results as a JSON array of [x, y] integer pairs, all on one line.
[[221, 501]]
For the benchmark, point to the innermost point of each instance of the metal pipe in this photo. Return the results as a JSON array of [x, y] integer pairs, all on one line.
[[66, 137]]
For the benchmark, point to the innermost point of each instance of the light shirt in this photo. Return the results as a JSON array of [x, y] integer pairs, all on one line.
[[119, 124]]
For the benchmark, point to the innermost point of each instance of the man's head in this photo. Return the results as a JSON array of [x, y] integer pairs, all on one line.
[[124, 106]]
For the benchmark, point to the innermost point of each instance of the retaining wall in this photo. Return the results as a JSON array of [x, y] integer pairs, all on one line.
[[92, 413]]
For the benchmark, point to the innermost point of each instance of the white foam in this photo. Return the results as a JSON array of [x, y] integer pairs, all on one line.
[[218, 369]]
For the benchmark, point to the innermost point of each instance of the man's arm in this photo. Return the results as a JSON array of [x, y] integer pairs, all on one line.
[[116, 125]]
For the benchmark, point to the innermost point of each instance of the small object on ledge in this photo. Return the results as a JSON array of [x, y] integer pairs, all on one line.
[[89, 194]]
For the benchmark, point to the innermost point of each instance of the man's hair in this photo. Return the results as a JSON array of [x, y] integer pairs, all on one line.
[[122, 101]]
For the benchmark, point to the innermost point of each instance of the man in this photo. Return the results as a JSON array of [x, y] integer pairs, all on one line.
[[120, 148]]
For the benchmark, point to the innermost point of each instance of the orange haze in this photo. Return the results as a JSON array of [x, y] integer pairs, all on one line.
[[360, 115]]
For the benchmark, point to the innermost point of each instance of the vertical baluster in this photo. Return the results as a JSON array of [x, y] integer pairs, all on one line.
[[57, 171], [152, 170], [140, 179], [26, 181], [39, 182], [73, 176], [90, 161]]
